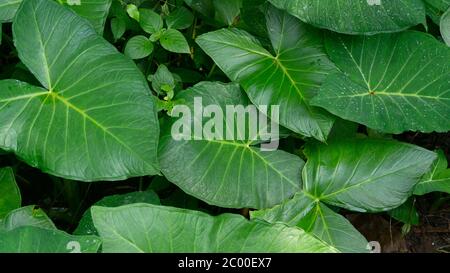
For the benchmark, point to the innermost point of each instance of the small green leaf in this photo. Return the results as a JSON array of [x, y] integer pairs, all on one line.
[[118, 27], [181, 18], [138, 47], [10, 198], [172, 40], [133, 12], [150, 21], [163, 79], [142, 228]]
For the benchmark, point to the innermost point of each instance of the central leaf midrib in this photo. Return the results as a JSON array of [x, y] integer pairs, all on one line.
[[79, 111], [96, 123]]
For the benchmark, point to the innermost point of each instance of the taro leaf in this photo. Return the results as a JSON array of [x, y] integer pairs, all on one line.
[[445, 27], [95, 119], [226, 173], [172, 40], [181, 18], [204, 7], [8, 9], [316, 218], [10, 198], [288, 79], [86, 226], [442, 5], [27, 216], [31, 239], [227, 11], [357, 16], [406, 213], [364, 174], [149, 228], [95, 11], [389, 82], [437, 179]]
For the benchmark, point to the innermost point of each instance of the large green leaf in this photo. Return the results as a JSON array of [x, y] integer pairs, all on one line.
[[226, 173], [357, 16], [10, 198], [316, 218], [8, 9], [86, 226], [95, 119], [364, 174], [27, 216], [31, 239], [96, 11], [288, 79], [389, 82], [437, 179], [150, 228]]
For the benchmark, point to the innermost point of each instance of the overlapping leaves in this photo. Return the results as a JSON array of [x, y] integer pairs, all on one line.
[[290, 78], [94, 119]]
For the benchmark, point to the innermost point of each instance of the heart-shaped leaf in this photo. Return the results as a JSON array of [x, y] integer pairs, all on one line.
[[95, 118], [172, 40], [364, 174], [389, 82], [290, 78], [230, 172]]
